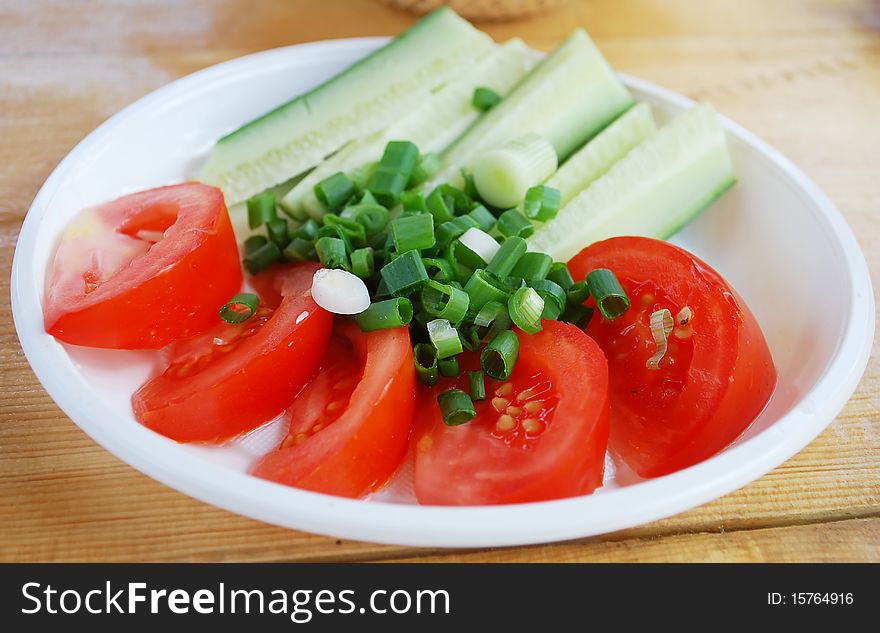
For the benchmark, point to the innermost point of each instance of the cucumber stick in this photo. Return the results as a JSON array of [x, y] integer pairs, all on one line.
[[437, 121], [597, 157], [567, 98], [364, 98], [653, 191]]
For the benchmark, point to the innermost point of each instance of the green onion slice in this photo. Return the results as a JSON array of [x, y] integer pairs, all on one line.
[[334, 191], [560, 275], [485, 98], [500, 355], [513, 223], [262, 258], [507, 256], [240, 308], [425, 359], [477, 382], [383, 315], [449, 367], [456, 406], [525, 307], [404, 274], [444, 338], [444, 301], [413, 232], [542, 203], [261, 209], [553, 295], [532, 266], [610, 296]]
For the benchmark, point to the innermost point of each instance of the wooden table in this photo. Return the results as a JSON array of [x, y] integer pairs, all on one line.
[[803, 74]]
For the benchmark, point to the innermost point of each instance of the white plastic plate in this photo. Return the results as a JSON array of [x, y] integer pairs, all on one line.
[[775, 237]]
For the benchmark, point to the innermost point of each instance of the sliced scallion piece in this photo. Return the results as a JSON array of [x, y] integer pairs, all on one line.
[[481, 244], [514, 223], [425, 359], [413, 232], [554, 297], [413, 201], [332, 253], [489, 313], [439, 269], [261, 209], [477, 383], [507, 256], [560, 275], [334, 191], [609, 295], [500, 355], [425, 169], [542, 203], [240, 308], [525, 307], [444, 301], [532, 266], [299, 250], [436, 205], [577, 314], [404, 274], [485, 98], [382, 315], [444, 338], [363, 263], [373, 216], [262, 258], [483, 287], [456, 406], [449, 367], [353, 232], [277, 230], [307, 230], [578, 293], [253, 243], [482, 216]]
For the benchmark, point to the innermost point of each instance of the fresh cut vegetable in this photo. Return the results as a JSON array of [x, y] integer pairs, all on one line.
[[362, 99], [689, 367], [143, 270]]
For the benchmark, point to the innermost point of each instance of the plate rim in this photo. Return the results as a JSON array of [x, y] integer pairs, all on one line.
[[440, 526]]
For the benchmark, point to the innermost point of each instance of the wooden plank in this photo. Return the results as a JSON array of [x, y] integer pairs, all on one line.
[[857, 540], [805, 76]]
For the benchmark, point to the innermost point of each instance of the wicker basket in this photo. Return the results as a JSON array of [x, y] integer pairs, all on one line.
[[479, 9]]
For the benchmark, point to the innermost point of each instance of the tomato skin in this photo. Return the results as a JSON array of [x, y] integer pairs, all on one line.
[[146, 296], [358, 451], [238, 390], [721, 374], [469, 465]]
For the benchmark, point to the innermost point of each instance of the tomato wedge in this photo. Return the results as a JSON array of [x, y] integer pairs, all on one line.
[[716, 375], [350, 427], [540, 435], [235, 377], [143, 270]]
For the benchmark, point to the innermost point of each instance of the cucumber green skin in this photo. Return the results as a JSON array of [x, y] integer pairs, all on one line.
[[655, 190], [375, 91], [569, 97]]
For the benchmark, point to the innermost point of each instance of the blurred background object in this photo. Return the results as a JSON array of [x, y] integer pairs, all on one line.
[[481, 10]]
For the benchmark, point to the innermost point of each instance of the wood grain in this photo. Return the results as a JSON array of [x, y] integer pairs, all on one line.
[[803, 74]]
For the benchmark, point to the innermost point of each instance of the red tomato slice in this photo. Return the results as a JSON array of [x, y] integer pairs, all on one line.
[[350, 426], [716, 376], [144, 270], [540, 435], [235, 377]]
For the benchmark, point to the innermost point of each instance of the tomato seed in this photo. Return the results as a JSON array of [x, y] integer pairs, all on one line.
[[505, 423], [504, 390], [499, 404], [533, 426], [534, 406], [514, 411]]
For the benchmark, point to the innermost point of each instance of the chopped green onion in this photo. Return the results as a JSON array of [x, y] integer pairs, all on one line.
[[610, 296], [307, 230], [542, 203], [334, 191], [449, 367], [299, 250], [262, 258], [444, 338], [363, 263], [372, 216], [483, 287], [525, 307], [500, 355], [578, 293], [361, 176], [507, 256], [560, 275], [335, 231], [444, 302], [482, 216], [553, 295], [477, 382], [439, 269], [382, 315], [577, 314], [456, 199], [437, 206], [404, 274], [481, 244], [278, 231], [393, 172], [532, 266], [240, 308], [470, 189], [485, 98], [427, 168], [425, 359], [470, 338], [332, 253], [456, 406], [354, 231], [368, 198], [253, 243], [413, 201], [453, 229], [413, 232], [494, 316], [512, 222], [261, 209]]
